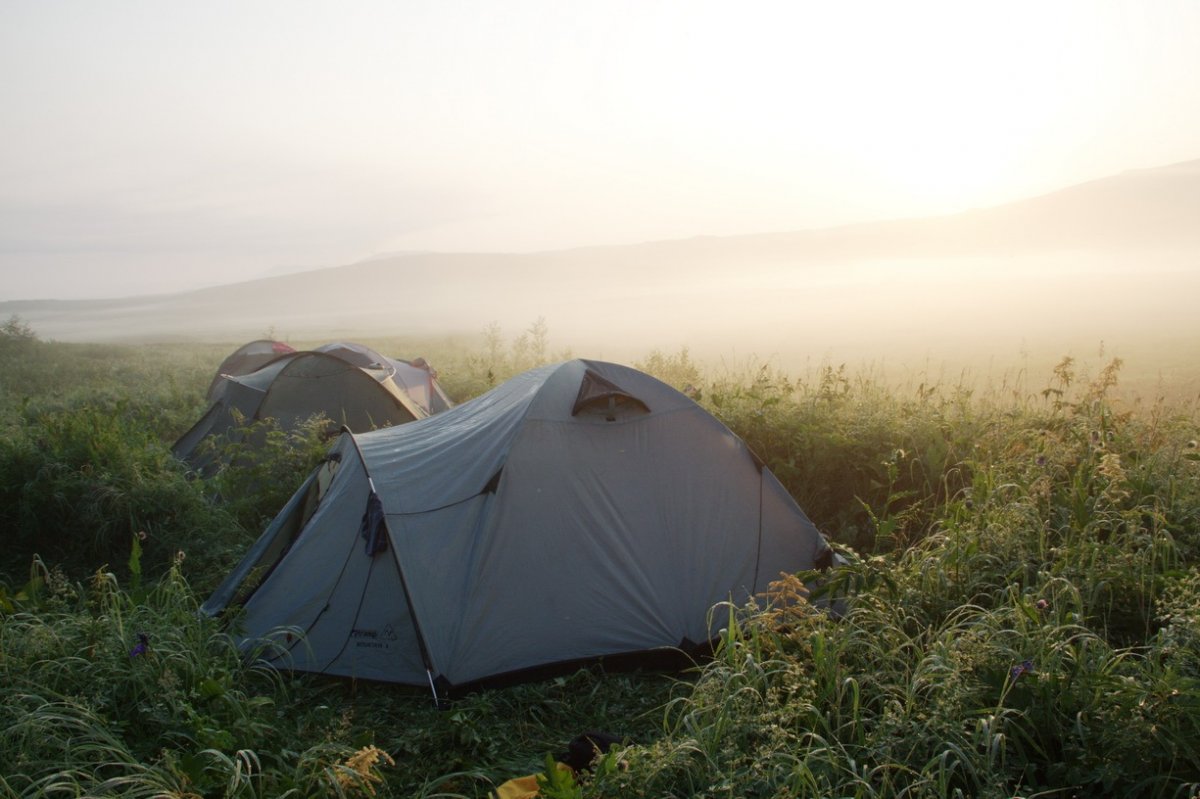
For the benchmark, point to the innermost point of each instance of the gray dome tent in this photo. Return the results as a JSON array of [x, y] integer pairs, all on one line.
[[352, 385], [579, 510]]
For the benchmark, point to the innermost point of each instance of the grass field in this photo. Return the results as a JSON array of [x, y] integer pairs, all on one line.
[[1023, 601]]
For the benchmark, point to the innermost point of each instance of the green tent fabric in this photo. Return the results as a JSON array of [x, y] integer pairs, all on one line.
[[579, 510]]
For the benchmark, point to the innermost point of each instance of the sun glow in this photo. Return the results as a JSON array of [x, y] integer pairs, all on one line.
[[319, 136]]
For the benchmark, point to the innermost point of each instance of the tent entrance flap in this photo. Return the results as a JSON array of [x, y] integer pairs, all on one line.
[[273, 545]]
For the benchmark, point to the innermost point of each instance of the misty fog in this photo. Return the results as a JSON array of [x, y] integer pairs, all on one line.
[[1100, 270]]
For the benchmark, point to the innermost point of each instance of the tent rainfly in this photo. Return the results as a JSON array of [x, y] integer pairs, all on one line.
[[352, 385], [244, 360], [579, 510]]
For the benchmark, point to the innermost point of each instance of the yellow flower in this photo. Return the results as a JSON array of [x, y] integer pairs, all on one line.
[[356, 771]]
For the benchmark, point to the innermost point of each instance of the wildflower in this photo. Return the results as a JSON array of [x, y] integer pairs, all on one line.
[[1041, 460], [142, 647], [1042, 604], [357, 770], [1110, 468], [142, 535], [1026, 667]]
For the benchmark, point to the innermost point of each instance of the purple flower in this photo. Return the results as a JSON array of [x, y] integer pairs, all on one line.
[[142, 646], [1025, 667]]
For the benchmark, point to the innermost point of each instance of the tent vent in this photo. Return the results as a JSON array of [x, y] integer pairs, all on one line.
[[600, 396]]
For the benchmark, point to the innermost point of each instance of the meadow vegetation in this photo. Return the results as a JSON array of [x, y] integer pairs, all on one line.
[[1021, 602]]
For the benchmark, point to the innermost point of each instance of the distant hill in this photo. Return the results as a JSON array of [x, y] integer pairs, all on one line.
[[1100, 260]]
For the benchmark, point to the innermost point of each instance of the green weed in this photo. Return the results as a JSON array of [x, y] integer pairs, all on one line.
[[1021, 602]]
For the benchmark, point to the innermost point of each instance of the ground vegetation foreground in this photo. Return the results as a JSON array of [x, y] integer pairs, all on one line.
[[1021, 602]]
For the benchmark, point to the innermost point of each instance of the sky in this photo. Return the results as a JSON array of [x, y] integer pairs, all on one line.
[[155, 146]]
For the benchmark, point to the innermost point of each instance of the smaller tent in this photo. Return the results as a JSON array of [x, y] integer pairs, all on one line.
[[352, 385], [579, 510]]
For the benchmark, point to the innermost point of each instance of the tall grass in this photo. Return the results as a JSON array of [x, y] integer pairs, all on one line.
[[1021, 603], [1032, 636], [107, 692], [78, 485]]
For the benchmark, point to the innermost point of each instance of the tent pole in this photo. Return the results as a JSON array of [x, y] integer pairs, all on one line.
[[437, 700]]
